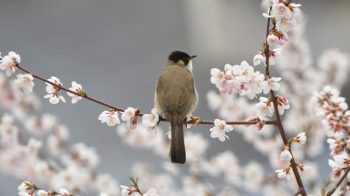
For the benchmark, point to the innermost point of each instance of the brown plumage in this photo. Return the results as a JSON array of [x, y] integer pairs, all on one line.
[[176, 98]]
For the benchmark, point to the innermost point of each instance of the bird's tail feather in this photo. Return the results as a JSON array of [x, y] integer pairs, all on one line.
[[177, 148]]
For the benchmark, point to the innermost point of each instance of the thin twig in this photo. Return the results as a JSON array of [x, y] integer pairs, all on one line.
[[329, 193], [109, 106], [278, 117]]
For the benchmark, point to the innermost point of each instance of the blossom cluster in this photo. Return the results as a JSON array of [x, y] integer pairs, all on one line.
[[44, 155], [27, 188], [242, 79], [333, 110]]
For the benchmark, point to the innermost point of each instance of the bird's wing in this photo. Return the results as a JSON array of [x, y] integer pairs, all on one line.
[[175, 90]]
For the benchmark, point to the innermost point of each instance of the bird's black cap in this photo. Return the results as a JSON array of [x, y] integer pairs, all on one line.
[[179, 55]]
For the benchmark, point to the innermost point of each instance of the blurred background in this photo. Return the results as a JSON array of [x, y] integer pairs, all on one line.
[[116, 50]]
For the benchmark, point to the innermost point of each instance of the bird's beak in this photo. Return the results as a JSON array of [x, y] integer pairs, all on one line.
[[192, 57]]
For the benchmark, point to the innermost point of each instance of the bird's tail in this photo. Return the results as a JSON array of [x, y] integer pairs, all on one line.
[[177, 148]]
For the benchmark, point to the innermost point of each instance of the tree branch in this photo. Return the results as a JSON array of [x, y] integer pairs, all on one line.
[[329, 193], [278, 117], [109, 106]]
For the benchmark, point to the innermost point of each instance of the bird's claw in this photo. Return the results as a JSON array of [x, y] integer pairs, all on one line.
[[195, 120]]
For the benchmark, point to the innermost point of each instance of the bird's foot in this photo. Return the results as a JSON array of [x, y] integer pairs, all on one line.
[[195, 120]]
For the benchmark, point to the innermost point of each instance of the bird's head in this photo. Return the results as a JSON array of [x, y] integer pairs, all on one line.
[[182, 59]]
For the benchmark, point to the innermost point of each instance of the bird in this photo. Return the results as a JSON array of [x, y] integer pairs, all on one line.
[[176, 98]]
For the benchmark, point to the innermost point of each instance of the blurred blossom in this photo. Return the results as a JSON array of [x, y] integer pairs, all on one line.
[[253, 176], [25, 82], [285, 155], [150, 121]]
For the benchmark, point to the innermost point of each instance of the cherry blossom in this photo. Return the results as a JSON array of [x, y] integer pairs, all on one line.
[[78, 89], [274, 55], [65, 192], [241, 79], [301, 138], [285, 155], [42, 193], [282, 103], [151, 192], [265, 107], [54, 94], [129, 116], [259, 58], [217, 76], [26, 188], [150, 121], [253, 175], [220, 129], [277, 38], [10, 62], [25, 82], [109, 117], [272, 84], [127, 191], [284, 173]]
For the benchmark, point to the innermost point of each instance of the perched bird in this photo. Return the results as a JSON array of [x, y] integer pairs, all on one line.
[[175, 98]]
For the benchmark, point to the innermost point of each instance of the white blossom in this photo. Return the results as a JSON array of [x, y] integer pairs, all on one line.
[[25, 82], [129, 116], [54, 95], [107, 184], [65, 192], [42, 193], [9, 63], [219, 130], [277, 38], [285, 155], [258, 59], [284, 173], [83, 156], [280, 10], [109, 117], [282, 104], [26, 188], [217, 76], [78, 89], [151, 192], [254, 176], [265, 106], [274, 55], [342, 160], [272, 84], [150, 121], [301, 138], [126, 191], [196, 146]]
